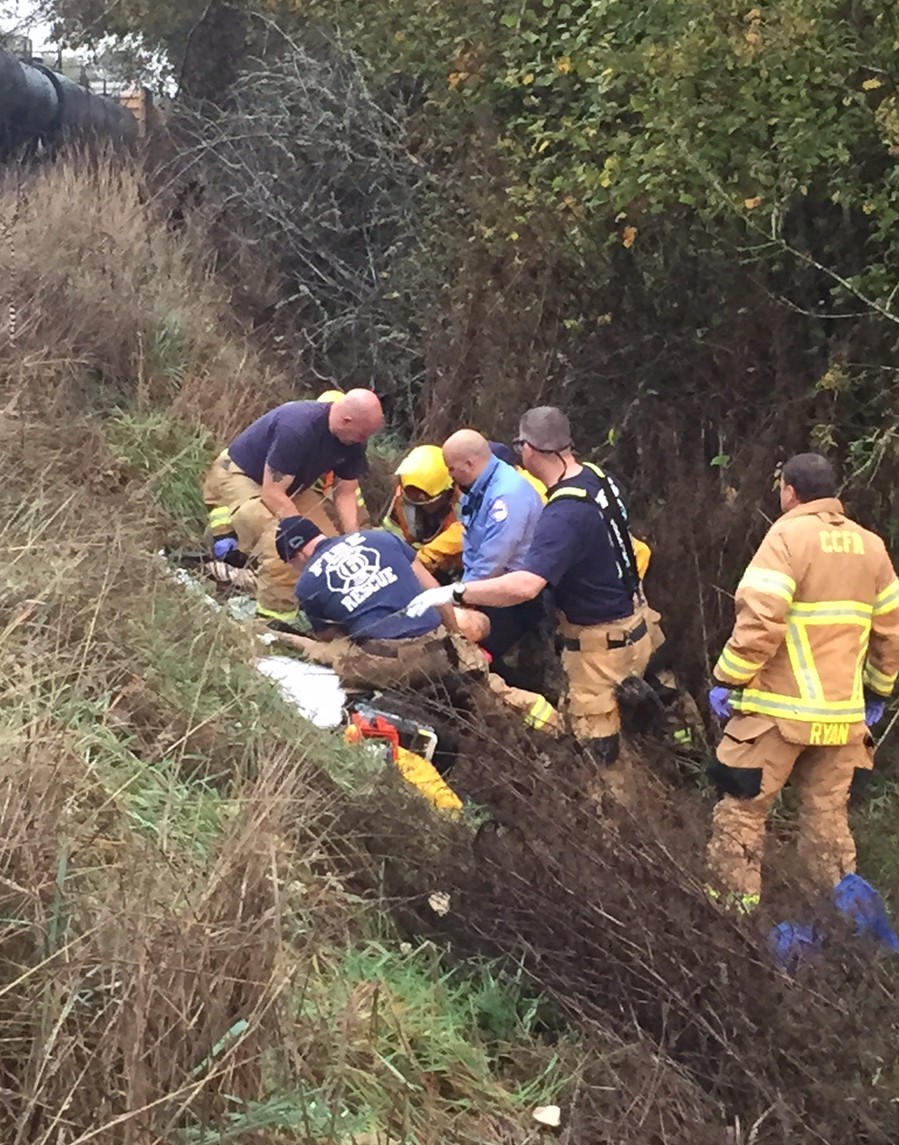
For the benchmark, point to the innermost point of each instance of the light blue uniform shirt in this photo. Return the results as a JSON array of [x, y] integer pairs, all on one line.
[[499, 513]]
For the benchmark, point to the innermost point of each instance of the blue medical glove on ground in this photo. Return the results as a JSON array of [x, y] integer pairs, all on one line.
[[854, 897], [719, 702], [792, 944]]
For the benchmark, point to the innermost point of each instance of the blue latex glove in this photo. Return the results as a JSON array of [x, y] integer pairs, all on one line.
[[874, 708], [719, 702], [222, 547]]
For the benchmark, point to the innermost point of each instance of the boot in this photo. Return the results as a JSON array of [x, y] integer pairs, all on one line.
[[604, 749]]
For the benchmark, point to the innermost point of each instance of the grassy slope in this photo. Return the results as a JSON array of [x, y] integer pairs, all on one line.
[[195, 945], [180, 958]]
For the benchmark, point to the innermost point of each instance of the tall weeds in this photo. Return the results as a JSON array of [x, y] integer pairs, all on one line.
[[181, 960], [103, 302]]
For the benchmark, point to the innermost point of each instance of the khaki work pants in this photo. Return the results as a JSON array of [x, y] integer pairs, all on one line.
[[605, 657], [255, 525], [752, 745], [419, 661]]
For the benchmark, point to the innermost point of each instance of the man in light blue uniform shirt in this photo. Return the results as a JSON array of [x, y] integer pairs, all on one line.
[[499, 511]]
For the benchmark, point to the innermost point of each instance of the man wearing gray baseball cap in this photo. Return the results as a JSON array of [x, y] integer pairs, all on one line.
[[582, 548]]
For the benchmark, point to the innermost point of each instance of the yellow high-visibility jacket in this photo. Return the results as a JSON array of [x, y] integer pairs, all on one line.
[[535, 481], [441, 552], [817, 620]]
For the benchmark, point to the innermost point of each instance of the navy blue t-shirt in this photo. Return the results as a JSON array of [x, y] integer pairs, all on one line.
[[573, 552], [294, 438], [361, 582]]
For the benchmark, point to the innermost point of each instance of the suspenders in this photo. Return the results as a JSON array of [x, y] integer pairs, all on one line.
[[609, 503]]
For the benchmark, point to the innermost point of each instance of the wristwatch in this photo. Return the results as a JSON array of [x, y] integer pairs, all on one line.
[[458, 593]]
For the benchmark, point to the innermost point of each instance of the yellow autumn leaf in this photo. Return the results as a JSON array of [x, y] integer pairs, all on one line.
[[527, 78], [868, 208], [455, 78], [751, 204], [754, 14], [563, 64], [542, 145], [610, 169], [630, 237], [871, 85]]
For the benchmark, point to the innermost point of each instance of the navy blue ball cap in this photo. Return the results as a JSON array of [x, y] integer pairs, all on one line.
[[294, 533]]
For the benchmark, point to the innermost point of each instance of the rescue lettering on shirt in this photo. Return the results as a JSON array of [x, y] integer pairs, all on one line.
[[361, 584], [353, 570], [841, 541], [829, 735]]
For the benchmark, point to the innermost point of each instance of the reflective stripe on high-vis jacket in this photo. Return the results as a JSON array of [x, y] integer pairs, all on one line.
[[879, 681], [811, 704], [768, 580], [734, 667], [540, 714], [219, 518], [887, 599], [797, 708]]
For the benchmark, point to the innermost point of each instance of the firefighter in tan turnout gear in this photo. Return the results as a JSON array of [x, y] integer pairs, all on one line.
[[270, 471], [812, 658], [581, 546]]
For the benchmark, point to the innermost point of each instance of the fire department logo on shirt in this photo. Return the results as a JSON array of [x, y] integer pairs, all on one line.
[[353, 570]]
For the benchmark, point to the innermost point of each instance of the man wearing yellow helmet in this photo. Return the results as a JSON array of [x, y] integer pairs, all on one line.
[[423, 511]]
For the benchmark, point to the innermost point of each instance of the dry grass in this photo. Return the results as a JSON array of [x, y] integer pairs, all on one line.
[[181, 961], [197, 924], [691, 1033], [111, 306]]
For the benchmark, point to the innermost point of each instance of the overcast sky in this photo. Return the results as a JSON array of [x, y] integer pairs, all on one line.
[[28, 18]]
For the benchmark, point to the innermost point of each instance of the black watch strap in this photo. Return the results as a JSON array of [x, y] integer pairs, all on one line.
[[458, 593]]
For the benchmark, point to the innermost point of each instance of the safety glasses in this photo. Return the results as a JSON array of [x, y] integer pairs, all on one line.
[[520, 442]]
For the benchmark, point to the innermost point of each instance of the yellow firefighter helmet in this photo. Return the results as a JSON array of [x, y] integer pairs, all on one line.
[[330, 396], [425, 468]]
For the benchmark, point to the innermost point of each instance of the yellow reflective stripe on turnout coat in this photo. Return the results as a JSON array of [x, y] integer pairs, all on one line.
[[817, 620]]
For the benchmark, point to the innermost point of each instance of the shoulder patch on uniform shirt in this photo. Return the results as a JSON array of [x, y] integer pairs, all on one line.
[[499, 510]]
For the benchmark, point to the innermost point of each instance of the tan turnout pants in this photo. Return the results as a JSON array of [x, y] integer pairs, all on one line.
[[757, 751], [255, 525], [595, 669], [418, 661]]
